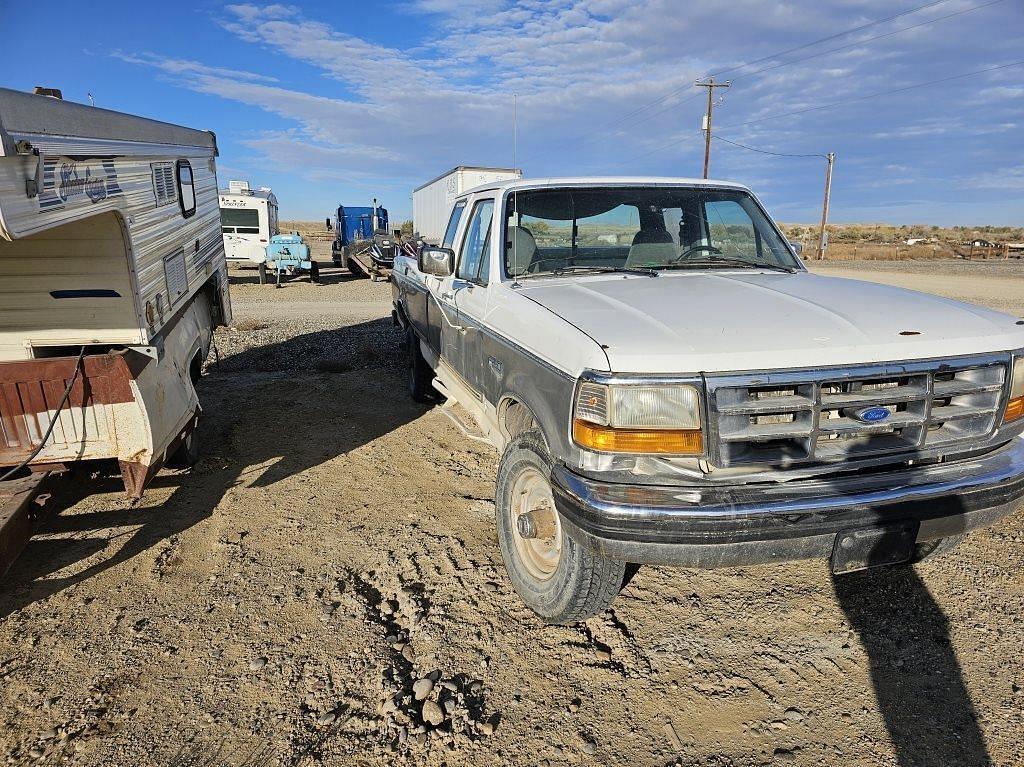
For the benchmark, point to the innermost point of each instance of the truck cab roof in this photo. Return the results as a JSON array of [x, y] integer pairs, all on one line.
[[560, 182]]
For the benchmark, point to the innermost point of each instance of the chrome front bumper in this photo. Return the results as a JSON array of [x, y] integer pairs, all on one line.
[[735, 525]]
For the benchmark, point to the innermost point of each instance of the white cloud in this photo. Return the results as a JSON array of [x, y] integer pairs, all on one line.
[[1007, 179], [602, 84], [194, 68]]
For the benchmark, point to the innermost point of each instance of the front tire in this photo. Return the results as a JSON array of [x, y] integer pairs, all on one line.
[[558, 579]]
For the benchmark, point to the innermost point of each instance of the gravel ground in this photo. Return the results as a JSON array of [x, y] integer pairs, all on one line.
[[996, 284], [325, 587]]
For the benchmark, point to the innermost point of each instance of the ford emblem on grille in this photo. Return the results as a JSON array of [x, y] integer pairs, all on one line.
[[871, 414]]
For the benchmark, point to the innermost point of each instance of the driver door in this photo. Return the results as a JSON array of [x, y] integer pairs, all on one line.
[[440, 313]]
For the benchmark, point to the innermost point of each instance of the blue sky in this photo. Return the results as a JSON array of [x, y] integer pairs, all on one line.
[[342, 102]]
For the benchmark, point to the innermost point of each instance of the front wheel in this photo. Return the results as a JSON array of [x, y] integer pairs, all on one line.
[[557, 578]]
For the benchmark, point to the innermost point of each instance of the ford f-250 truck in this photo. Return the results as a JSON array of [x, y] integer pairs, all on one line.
[[668, 384]]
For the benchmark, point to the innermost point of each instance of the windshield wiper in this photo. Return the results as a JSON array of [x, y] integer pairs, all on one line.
[[726, 261], [575, 268], [582, 268]]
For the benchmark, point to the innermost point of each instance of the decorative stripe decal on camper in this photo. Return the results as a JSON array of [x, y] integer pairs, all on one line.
[[66, 179]]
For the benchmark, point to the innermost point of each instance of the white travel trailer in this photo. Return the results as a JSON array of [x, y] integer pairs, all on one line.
[[432, 202], [112, 278], [248, 219]]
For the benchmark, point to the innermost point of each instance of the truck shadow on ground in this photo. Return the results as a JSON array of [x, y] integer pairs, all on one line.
[[270, 412], [917, 678]]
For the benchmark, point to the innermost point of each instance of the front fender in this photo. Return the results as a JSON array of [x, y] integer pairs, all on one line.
[[547, 394]]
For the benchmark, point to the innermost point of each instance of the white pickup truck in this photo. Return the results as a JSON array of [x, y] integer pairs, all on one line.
[[669, 385]]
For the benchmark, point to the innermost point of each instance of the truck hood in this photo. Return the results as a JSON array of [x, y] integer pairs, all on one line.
[[685, 322]]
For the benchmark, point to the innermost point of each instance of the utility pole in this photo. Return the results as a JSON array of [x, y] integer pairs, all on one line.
[[710, 84], [830, 158]]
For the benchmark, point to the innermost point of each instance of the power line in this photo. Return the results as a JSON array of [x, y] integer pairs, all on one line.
[[869, 39], [648, 153], [852, 30], [781, 64], [819, 155], [887, 92], [837, 35], [855, 99]]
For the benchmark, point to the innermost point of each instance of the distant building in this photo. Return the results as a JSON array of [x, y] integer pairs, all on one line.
[[979, 243]]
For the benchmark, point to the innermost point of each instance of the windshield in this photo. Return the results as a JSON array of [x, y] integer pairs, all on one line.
[[240, 220], [573, 231]]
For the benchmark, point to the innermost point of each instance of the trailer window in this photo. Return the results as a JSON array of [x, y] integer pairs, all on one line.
[[186, 189], [453, 224], [241, 221]]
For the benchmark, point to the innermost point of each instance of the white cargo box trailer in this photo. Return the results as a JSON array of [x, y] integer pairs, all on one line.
[[432, 202]]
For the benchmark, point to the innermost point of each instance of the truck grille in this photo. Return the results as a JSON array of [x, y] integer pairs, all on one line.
[[820, 415]]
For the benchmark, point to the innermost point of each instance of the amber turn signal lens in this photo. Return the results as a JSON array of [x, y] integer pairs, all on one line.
[[663, 441], [1014, 409]]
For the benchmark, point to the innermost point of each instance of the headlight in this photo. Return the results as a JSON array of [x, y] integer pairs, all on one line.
[[661, 419], [1015, 407]]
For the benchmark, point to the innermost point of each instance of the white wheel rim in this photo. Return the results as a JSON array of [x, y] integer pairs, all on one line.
[[531, 493]]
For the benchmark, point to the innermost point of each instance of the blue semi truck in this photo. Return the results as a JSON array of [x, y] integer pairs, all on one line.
[[362, 242]]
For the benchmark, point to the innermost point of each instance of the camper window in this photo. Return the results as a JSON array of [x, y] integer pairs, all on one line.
[[186, 189], [240, 220]]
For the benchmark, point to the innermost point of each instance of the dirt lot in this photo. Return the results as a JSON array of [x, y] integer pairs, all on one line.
[[336, 543]]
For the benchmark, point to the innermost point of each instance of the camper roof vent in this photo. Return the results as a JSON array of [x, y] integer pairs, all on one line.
[[39, 90], [239, 187]]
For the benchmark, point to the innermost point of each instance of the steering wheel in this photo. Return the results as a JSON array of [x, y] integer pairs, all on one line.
[[693, 249]]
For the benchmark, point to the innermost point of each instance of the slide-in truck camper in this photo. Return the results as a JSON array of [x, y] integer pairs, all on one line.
[[112, 279]]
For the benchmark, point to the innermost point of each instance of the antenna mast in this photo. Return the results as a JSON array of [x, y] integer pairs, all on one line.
[[515, 129]]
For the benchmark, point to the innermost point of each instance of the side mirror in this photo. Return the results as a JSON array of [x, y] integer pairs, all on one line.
[[329, 224], [439, 262], [797, 247]]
